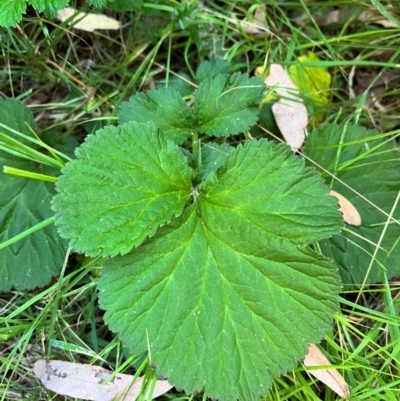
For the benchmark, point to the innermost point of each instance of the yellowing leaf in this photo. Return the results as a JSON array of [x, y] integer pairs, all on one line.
[[349, 212], [90, 382], [314, 82], [331, 377], [289, 112], [87, 22]]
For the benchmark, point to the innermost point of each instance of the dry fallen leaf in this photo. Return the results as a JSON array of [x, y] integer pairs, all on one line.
[[87, 381], [340, 17], [256, 25], [373, 18], [349, 212], [289, 112], [331, 377], [87, 22]]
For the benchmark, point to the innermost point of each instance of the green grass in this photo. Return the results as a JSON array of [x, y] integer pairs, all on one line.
[[74, 82]]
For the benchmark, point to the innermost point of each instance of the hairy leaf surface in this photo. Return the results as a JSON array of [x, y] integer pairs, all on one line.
[[32, 261], [226, 105], [164, 107], [213, 156], [211, 68], [226, 295], [126, 182], [372, 168]]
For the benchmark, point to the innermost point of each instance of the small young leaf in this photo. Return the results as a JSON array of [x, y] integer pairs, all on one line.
[[212, 68], [50, 7], [125, 5], [226, 105], [213, 156], [226, 296], [126, 182], [372, 168], [164, 107], [181, 83]]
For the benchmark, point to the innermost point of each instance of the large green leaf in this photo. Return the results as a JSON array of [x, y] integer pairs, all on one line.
[[32, 261], [227, 296], [11, 11], [126, 182], [372, 168], [226, 105], [164, 107]]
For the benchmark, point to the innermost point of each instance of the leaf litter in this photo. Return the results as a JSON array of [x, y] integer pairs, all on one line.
[[329, 376], [90, 382], [289, 111]]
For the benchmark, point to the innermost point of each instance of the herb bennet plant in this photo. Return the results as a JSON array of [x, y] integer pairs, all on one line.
[[210, 269]]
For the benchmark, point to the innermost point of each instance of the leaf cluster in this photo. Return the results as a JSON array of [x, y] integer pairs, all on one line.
[[209, 249]]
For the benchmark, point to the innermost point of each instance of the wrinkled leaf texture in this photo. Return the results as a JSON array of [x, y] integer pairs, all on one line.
[[227, 295], [224, 105], [119, 189]]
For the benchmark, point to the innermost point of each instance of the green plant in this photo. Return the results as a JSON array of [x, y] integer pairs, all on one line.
[[25, 202], [366, 167], [11, 11], [210, 269]]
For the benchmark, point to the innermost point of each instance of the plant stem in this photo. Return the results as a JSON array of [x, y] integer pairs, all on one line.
[[195, 143]]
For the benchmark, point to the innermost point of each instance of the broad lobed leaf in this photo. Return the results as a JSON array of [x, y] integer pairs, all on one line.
[[226, 297], [126, 182], [11, 11], [226, 105], [372, 168], [32, 261], [279, 196]]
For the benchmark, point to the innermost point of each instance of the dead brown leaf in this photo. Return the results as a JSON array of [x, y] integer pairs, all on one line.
[[256, 25], [349, 212], [329, 376], [87, 22], [289, 112], [89, 382]]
